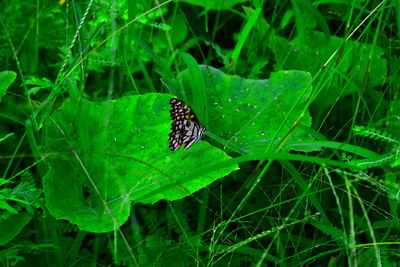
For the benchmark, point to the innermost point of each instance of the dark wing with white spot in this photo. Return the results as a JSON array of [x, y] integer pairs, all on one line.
[[186, 128]]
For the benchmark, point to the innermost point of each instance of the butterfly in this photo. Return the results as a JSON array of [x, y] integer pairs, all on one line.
[[186, 128]]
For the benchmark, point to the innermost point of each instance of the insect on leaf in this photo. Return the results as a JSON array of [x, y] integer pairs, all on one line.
[[186, 128]]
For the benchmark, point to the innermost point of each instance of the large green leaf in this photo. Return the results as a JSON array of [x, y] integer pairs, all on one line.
[[106, 156], [249, 114]]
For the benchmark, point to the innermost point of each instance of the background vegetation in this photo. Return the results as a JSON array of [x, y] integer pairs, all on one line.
[[299, 165]]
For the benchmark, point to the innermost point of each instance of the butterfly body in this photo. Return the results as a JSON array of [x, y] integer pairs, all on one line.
[[186, 128]]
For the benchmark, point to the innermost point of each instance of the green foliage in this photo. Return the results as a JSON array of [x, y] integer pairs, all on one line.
[[375, 134], [214, 4], [6, 79], [17, 206], [392, 157], [284, 174], [13, 224]]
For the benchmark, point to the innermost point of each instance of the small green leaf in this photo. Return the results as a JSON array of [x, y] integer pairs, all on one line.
[[6, 79], [5, 206], [38, 84]]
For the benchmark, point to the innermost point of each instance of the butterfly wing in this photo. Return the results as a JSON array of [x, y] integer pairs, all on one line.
[[186, 128]]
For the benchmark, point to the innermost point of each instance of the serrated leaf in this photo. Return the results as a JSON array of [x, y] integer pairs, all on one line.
[[328, 228], [106, 156]]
